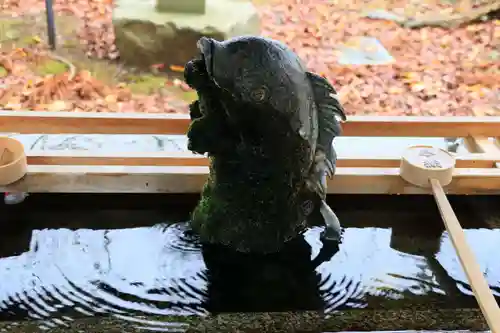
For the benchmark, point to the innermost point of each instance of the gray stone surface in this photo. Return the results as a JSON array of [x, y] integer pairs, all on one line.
[[363, 50], [400, 321], [382, 14], [184, 6], [145, 36]]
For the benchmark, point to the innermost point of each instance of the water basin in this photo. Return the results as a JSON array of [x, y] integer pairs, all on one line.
[[131, 261]]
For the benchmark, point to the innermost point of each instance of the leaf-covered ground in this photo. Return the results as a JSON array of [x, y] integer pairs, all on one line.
[[436, 72]]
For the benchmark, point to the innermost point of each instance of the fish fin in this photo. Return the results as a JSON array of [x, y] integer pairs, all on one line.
[[317, 186], [326, 95], [333, 228], [331, 161], [316, 182], [330, 113]]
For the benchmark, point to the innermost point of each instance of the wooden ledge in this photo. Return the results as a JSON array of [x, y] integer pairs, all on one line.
[[473, 160], [32, 122], [183, 172], [173, 179]]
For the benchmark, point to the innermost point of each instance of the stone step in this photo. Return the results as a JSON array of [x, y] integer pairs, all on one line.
[[383, 321]]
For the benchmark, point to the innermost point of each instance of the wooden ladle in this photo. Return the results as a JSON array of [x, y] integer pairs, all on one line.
[[13, 162], [426, 166]]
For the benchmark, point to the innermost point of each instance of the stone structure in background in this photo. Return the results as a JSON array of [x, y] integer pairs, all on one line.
[[363, 50], [166, 31], [182, 7]]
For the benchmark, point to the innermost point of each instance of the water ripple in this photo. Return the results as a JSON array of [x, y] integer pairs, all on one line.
[[143, 275], [366, 270], [127, 274]]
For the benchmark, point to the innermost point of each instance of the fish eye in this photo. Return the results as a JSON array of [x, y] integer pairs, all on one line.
[[259, 94]]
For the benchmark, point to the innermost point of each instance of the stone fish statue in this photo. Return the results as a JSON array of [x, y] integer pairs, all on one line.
[[267, 126]]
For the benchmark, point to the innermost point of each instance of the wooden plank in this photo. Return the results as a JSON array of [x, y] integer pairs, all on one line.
[[31, 122], [421, 126], [168, 179], [478, 144], [486, 160], [122, 158], [483, 145], [473, 271], [482, 292]]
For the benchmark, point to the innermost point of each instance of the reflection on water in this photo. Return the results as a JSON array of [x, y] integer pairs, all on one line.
[[161, 270]]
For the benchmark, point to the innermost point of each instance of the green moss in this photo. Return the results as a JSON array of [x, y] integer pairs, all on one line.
[[252, 200], [145, 84], [392, 320], [51, 67]]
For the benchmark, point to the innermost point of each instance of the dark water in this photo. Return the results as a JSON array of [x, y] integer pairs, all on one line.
[[74, 256]]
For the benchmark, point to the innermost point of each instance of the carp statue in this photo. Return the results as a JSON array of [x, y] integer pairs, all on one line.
[[267, 126]]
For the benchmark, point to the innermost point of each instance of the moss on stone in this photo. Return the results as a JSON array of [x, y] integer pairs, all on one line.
[[391, 320], [352, 320], [252, 199]]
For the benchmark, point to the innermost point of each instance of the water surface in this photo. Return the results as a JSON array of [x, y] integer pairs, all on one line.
[[85, 257]]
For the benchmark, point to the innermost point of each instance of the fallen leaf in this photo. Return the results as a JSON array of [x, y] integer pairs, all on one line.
[[445, 61], [58, 106], [176, 68], [111, 99], [395, 90], [158, 66], [177, 83], [13, 106]]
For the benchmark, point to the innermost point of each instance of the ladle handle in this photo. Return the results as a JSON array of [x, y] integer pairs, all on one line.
[[3, 152], [484, 296]]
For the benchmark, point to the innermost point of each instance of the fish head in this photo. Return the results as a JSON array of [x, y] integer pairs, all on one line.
[[259, 71]]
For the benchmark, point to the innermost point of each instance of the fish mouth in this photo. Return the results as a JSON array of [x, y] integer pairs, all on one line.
[[206, 47], [198, 73]]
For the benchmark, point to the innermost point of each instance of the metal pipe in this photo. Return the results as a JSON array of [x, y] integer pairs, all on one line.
[[51, 27]]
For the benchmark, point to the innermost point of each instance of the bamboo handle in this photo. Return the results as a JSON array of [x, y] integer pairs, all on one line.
[[484, 297]]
